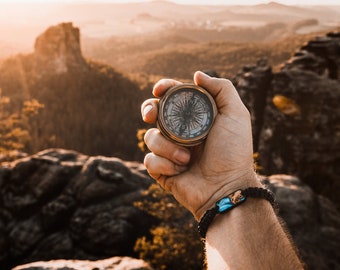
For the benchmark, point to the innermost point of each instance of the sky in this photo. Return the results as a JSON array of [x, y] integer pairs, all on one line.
[[206, 2]]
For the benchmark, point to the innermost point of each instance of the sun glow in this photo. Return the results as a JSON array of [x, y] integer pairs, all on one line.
[[21, 21], [189, 2]]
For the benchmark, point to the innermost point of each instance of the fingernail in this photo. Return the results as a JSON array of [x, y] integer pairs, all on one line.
[[147, 109], [182, 156]]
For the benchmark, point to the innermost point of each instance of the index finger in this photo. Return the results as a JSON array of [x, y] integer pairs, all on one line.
[[149, 110]]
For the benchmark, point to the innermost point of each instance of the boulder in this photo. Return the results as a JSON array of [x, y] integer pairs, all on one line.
[[312, 220], [115, 263], [62, 204]]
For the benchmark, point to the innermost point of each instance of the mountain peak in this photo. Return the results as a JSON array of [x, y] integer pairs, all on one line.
[[58, 48], [273, 3]]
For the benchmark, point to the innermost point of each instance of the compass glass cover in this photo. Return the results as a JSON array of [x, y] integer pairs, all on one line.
[[188, 113]]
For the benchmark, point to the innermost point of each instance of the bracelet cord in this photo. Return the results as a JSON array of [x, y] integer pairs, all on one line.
[[231, 201]]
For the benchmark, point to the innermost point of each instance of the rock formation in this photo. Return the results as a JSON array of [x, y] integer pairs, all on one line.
[[310, 219], [60, 204], [253, 83], [296, 114], [115, 263], [79, 95], [58, 49]]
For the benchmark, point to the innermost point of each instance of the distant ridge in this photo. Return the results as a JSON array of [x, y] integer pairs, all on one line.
[[99, 20]]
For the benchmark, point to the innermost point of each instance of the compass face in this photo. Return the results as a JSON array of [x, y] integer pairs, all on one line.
[[186, 114]]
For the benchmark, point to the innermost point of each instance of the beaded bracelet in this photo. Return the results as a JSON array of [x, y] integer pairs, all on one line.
[[231, 201]]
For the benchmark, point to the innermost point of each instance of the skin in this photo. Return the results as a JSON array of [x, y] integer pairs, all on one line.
[[201, 175]]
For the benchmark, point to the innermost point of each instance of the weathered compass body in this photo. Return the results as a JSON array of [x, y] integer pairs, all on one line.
[[186, 114]]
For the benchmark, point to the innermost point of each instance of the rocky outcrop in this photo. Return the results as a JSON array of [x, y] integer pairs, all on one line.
[[297, 131], [253, 83], [321, 56], [58, 49], [312, 220], [60, 204]]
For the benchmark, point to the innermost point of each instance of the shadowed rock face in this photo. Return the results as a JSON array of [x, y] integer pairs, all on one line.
[[325, 51], [312, 220], [60, 204], [297, 130], [253, 84]]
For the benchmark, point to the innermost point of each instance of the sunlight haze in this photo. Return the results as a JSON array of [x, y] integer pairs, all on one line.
[[189, 2], [21, 21]]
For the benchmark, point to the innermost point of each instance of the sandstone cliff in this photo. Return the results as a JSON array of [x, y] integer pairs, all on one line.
[[296, 116], [58, 49]]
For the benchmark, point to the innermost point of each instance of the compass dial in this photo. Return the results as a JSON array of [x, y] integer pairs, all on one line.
[[186, 114]]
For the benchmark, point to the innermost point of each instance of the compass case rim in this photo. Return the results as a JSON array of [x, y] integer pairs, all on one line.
[[161, 121]]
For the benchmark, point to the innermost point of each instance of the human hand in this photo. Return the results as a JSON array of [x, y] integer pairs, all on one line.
[[201, 175]]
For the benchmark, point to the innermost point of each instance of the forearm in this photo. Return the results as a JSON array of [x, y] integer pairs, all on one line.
[[250, 236]]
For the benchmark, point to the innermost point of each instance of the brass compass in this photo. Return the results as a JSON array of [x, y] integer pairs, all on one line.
[[186, 114]]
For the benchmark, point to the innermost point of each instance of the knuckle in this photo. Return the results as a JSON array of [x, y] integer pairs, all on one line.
[[227, 83], [168, 184]]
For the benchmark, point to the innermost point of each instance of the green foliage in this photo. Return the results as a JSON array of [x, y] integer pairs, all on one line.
[[32, 107], [174, 243], [14, 134], [257, 167]]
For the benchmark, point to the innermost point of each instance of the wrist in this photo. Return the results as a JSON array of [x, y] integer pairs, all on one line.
[[249, 179], [231, 201], [252, 231], [252, 209]]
